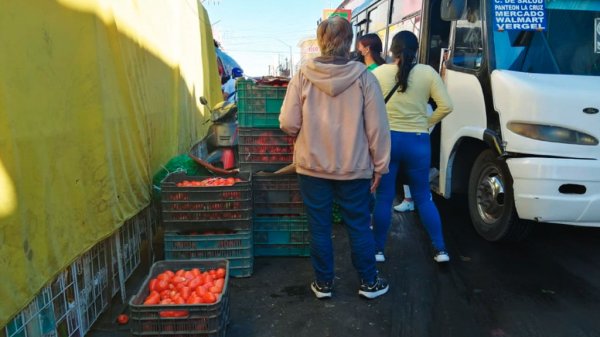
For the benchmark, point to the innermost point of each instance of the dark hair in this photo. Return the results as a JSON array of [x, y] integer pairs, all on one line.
[[404, 47], [374, 43]]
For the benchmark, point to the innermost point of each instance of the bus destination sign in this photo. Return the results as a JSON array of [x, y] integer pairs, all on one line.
[[519, 15]]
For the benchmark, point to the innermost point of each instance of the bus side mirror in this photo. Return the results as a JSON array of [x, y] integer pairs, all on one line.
[[452, 10]]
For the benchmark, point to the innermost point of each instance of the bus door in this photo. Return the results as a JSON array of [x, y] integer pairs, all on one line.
[[465, 74]]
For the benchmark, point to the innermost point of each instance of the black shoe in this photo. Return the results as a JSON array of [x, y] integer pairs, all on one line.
[[322, 289], [374, 289]]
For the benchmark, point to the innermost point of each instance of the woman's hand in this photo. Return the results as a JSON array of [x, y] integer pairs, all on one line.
[[375, 183]]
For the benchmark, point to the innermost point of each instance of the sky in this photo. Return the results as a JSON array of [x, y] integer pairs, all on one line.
[[256, 33]]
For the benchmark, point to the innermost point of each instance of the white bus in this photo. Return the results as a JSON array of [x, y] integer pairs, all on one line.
[[524, 77]]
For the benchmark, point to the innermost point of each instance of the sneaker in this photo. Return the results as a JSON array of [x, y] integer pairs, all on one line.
[[379, 257], [441, 256], [405, 206], [374, 289], [322, 290]]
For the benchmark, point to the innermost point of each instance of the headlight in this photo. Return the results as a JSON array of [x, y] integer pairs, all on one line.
[[551, 133]]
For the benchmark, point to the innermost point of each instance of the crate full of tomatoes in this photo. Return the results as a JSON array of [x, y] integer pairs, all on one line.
[[235, 246], [183, 298], [264, 149], [191, 202]]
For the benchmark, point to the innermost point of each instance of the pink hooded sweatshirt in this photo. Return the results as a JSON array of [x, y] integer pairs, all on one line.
[[336, 109]]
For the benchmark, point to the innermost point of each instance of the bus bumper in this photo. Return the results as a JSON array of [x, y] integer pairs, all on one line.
[[537, 186]]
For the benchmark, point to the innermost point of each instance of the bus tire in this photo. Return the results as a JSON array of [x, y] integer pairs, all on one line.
[[491, 200]]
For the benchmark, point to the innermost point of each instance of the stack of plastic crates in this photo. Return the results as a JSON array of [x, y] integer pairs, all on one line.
[[209, 222], [280, 225], [197, 320], [52, 313]]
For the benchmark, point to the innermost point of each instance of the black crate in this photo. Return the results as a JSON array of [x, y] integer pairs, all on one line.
[[235, 247], [277, 195], [192, 208], [264, 149], [201, 320]]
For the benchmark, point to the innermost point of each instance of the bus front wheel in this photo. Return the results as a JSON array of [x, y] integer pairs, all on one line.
[[491, 200]]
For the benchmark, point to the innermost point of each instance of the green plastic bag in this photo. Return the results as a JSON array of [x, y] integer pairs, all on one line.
[[181, 163]]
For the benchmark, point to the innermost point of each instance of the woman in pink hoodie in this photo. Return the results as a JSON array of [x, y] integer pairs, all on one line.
[[335, 108]]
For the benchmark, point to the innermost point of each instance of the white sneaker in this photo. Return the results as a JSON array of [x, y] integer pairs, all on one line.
[[405, 206], [441, 256], [379, 257]]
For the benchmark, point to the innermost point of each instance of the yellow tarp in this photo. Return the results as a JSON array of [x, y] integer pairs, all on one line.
[[94, 96]]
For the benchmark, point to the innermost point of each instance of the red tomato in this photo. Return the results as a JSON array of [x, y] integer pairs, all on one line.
[[221, 272], [174, 313], [209, 297], [161, 285], [153, 298], [188, 275], [152, 284], [194, 283], [220, 283], [122, 319]]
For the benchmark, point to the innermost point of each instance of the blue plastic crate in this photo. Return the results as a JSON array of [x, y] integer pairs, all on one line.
[[279, 236], [236, 247]]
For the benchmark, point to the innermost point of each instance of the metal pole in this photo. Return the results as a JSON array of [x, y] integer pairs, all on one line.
[[291, 63]]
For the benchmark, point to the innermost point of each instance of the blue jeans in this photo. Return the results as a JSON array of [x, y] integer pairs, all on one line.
[[353, 196], [411, 154]]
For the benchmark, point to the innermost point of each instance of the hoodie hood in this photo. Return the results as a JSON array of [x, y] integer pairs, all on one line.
[[332, 75]]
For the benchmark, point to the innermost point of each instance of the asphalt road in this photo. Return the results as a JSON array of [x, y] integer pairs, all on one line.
[[546, 286]]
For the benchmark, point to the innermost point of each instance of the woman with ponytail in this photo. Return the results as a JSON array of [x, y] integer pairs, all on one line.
[[410, 85], [369, 47]]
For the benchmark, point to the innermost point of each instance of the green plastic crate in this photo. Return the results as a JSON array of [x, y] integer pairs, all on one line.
[[279, 236], [259, 105]]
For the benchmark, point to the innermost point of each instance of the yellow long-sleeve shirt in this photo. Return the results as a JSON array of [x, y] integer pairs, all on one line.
[[407, 111]]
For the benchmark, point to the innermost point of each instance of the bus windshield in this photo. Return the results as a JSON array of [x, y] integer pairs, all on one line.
[[570, 43]]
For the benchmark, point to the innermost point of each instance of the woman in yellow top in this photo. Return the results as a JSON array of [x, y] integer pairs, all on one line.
[[409, 125]]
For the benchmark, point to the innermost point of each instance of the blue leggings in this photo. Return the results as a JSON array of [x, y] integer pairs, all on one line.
[[411, 154]]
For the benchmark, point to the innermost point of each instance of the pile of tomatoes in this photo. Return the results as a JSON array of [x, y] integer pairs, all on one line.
[[185, 287], [210, 182]]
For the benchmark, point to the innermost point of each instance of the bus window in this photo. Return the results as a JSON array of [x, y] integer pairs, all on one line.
[[570, 44], [404, 8], [378, 17], [468, 39]]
